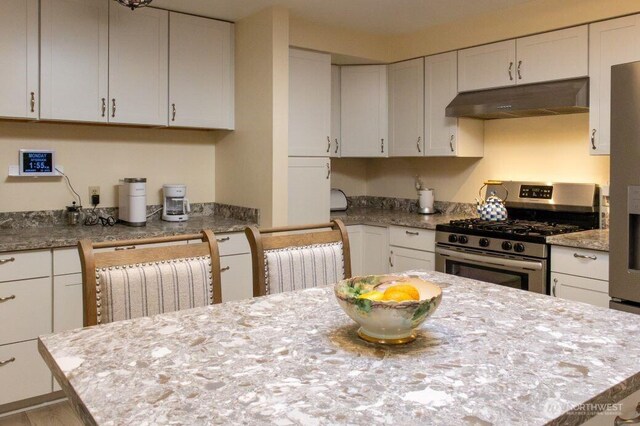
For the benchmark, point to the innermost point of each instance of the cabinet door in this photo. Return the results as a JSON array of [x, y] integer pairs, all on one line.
[[555, 55], [27, 307], [375, 259], [440, 87], [580, 289], [484, 67], [406, 108], [200, 72], [363, 114], [309, 190], [309, 104], [402, 259], [611, 42], [19, 59], [74, 60], [138, 65], [237, 278], [24, 377], [67, 302], [335, 111], [355, 243]]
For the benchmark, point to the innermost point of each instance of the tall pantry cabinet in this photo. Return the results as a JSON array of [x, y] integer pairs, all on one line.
[[309, 171]]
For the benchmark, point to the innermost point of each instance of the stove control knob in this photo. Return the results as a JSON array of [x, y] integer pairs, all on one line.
[[484, 242], [519, 247], [462, 239], [453, 238], [506, 245]]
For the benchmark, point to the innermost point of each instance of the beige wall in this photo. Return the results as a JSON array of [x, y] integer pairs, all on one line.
[[537, 148], [99, 156], [251, 165]]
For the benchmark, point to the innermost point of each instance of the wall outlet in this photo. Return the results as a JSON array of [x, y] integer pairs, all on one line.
[[94, 195]]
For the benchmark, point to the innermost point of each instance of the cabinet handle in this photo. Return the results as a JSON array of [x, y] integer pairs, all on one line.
[[328, 144], [328, 170], [553, 289], [390, 261], [173, 112], [223, 239], [418, 144], [519, 75], [113, 107], [336, 151], [104, 106], [510, 73], [451, 143], [125, 248], [619, 421], [382, 146], [5, 299], [593, 139], [10, 360], [584, 256], [412, 233], [226, 268], [3, 261], [33, 102]]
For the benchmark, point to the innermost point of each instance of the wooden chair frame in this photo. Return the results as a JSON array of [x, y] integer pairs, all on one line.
[[127, 253], [259, 242]]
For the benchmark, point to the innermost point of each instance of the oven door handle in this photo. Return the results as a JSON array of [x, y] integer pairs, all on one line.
[[522, 264]]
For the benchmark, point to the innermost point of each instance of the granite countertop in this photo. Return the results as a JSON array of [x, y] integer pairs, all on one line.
[[67, 236], [490, 355], [383, 217], [595, 239]]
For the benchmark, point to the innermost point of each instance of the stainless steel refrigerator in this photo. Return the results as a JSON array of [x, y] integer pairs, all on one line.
[[624, 233]]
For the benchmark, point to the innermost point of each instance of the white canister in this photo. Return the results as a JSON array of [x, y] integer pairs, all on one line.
[[425, 200]]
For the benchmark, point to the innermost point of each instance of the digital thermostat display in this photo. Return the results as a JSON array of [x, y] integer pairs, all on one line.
[[37, 162]]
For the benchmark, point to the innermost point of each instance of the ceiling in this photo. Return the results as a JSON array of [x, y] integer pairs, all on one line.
[[375, 16]]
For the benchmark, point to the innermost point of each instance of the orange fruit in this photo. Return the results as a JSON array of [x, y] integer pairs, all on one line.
[[372, 295], [396, 296], [413, 292]]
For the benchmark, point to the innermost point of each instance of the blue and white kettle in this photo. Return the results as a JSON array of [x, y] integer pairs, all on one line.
[[493, 208]]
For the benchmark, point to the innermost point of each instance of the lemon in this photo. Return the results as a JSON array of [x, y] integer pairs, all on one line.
[[405, 288], [372, 295], [396, 296]]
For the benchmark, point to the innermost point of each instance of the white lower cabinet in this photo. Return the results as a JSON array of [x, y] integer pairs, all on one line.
[[23, 374], [580, 275], [375, 241], [67, 302], [235, 266], [26, 307], [402, 259], [411, 248], [355, 246]]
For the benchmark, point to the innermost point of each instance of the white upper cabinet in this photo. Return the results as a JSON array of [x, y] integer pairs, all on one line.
[[440, 87], [611, 42], [487, 66], [74, 60], [335, 111], [200, 72], [309, 190], [19, 91], [406, 108], [138, 65], [309, 104], [363, 112], [555, 55]]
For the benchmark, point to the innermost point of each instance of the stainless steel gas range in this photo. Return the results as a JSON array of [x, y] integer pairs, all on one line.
[[514, 252]]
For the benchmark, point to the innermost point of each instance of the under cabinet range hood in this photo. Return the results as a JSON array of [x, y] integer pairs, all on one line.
[[531, 100]]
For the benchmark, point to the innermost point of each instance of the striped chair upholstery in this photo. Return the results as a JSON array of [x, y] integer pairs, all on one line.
[[295, 268], [132, 291]]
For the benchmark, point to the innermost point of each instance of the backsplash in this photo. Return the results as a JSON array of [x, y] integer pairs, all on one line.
[[44, 218], [409, 205]]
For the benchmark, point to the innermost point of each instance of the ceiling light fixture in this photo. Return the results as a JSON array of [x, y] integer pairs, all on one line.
[[133, 4]]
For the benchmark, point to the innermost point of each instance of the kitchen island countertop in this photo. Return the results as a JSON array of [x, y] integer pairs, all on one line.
[[489, 355]]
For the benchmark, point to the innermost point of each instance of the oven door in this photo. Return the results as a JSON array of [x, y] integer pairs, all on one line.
[[517, 272]]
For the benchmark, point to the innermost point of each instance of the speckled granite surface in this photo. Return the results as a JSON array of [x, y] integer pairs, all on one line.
[[490, 355], [595, 239], [384, 217]]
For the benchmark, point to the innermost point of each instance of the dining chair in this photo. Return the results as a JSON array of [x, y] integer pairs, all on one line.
[[129, 279], [287, 258]]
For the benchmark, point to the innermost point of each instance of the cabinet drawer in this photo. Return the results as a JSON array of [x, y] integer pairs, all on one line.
[[580, 262], [67, 302], [419, 239], [233, 243], [237, 277], [24, 377], [580, 289], [27, 307], [66, 261], [25, 265]]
